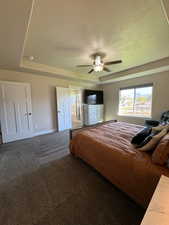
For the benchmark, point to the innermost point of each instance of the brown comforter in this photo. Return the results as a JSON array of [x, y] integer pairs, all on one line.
[[107, 148]]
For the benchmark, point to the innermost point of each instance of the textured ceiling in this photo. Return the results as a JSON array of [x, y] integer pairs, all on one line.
[[64, 34]]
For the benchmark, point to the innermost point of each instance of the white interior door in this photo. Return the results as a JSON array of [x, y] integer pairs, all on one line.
[[15, 111], [63, 108]]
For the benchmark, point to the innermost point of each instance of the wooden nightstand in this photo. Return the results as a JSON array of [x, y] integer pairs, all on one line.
[[158, 210]]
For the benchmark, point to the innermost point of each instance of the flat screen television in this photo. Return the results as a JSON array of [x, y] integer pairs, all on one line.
[[93, 97]]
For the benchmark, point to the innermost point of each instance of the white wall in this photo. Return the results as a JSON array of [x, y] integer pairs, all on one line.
[[43, 96], [160, 96]]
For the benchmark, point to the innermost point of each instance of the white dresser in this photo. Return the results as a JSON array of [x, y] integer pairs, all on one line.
[[93, 114]]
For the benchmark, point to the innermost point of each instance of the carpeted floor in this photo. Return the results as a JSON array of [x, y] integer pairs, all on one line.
[[42, 184]]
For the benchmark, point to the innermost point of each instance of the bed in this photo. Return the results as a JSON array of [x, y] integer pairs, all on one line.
[[107, 148]]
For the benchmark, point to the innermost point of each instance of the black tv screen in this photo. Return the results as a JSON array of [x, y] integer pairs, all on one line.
[[92, 97]]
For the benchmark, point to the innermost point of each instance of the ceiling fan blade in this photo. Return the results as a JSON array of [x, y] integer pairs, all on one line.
[[113, 62], [83, 65], [106, 69], [91, 71]]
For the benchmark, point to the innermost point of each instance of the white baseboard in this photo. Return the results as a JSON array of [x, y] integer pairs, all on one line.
[[44, 132]]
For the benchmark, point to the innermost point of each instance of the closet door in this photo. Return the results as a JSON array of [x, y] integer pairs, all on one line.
[[15, 111]]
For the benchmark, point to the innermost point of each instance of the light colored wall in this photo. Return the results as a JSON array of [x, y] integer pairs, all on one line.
[[160, 96], [43, 96]]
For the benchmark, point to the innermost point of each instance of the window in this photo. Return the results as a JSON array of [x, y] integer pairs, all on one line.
[[136, 101]]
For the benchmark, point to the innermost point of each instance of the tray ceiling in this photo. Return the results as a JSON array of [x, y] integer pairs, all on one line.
[[63, 35]]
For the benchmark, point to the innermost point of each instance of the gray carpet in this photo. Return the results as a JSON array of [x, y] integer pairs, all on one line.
[[42, 184]]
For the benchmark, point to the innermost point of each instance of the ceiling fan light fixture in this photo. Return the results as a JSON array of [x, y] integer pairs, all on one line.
[[98, 64], [98, 68]]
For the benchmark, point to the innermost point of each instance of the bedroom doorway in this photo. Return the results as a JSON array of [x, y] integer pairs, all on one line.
[[76, 106], [69, 108], [63, 98]]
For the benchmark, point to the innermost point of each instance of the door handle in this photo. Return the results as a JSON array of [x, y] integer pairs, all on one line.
[[28, 114], [59, 111]]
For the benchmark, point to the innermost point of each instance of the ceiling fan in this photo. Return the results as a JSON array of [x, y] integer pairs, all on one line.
[[98, 64]]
